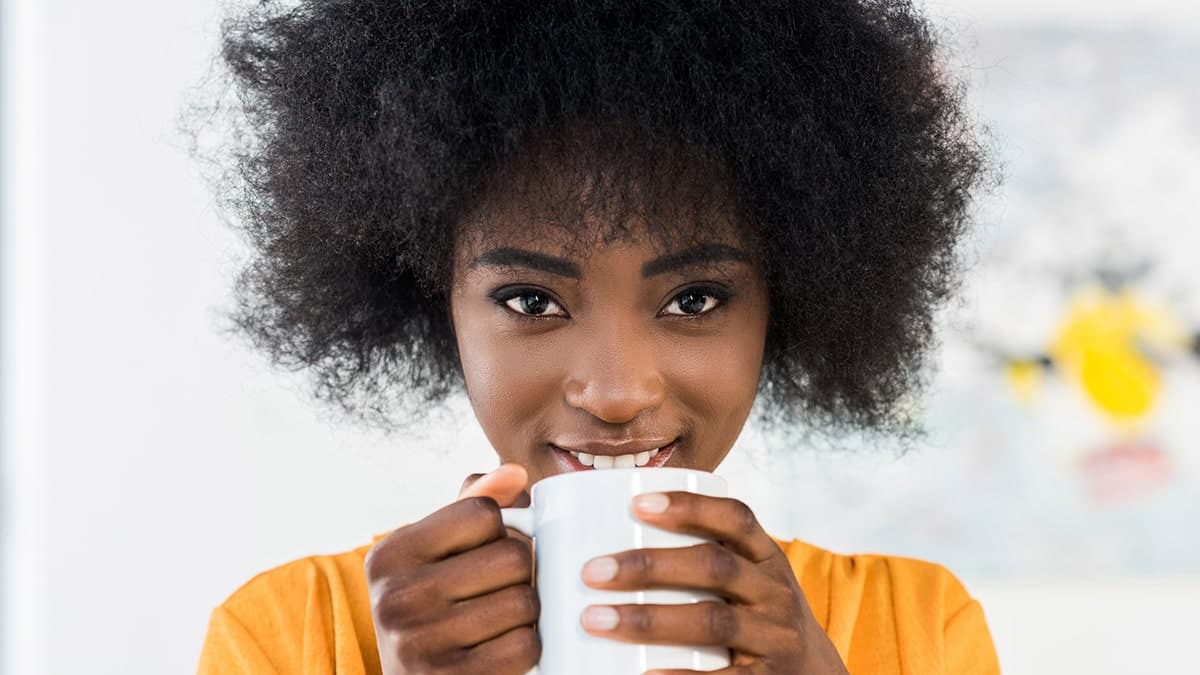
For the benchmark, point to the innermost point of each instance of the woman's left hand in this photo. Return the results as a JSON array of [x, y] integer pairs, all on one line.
[[766, 621]]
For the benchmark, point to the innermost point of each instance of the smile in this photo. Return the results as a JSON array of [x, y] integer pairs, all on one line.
[[583, 461]]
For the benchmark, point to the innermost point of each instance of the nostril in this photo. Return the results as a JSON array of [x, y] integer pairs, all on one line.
[[616, 406], [615, 388]]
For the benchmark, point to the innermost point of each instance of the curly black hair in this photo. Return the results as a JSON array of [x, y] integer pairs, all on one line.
[[365, 131]]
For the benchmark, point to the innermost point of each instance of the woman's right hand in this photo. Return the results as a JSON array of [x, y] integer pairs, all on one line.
[[452, 593]]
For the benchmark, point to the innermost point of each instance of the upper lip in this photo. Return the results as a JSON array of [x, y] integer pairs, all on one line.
[[628, 447]]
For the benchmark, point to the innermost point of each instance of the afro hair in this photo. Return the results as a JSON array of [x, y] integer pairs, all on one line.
[[364, 131]]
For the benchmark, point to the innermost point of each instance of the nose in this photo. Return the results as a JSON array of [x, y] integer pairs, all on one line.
[[615, 374]]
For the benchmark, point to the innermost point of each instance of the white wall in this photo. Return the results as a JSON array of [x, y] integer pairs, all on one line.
[[1110, 626], [151, 466], [1092, 13]]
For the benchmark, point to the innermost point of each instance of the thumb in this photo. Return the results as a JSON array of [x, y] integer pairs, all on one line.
[[504, 484]]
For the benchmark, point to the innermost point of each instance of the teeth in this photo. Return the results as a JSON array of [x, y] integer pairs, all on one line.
[[618, 462]]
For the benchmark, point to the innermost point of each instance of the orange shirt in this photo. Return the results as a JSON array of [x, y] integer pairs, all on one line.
[[884, 614]]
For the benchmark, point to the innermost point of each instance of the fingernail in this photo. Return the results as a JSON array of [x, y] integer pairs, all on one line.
[[600, 569], [600, 618], [655, 502]]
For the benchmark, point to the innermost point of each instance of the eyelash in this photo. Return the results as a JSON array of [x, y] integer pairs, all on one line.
[[503, 295]]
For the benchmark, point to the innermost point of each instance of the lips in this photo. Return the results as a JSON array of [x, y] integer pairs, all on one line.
[[615, 448], [570, 460]]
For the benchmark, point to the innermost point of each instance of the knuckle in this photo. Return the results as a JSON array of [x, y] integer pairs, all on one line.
[[445, 664], [371, 563], [375, 561], [529, 644], [382, 560], [525, 646], [411, 652], [401, 604], [685, 505], [483, 508], [525, 602], [720, 564], [637, 565], [743, 516], [514, 554], [720, 622], [639, 619]]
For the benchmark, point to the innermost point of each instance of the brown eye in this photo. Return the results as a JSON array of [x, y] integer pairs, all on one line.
[[529, 302], [697, 300]]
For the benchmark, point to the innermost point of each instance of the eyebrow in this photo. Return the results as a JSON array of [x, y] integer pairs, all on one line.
[[698, 255], [519, 257]]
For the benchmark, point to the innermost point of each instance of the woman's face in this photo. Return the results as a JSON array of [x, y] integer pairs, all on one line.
[[582, 363]]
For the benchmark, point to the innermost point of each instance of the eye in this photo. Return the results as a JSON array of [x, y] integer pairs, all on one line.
[[527, 302], [698, 300]]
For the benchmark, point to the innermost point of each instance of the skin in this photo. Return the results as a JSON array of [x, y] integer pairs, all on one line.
[[610, 354]]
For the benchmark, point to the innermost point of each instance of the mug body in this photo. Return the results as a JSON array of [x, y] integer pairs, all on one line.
[[579, 516]]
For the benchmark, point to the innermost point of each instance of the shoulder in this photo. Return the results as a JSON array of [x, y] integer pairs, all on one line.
[[899, 578], [890, 613], [293, 616], [299, 578]]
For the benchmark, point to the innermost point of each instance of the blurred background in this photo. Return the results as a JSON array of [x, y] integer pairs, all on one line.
[[150, 466]]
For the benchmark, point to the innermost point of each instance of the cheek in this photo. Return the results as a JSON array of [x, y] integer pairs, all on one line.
[[507, 376], [723, 373], [719, 376]]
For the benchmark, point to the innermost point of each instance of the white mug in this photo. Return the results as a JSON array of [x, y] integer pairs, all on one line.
[[574, 517]]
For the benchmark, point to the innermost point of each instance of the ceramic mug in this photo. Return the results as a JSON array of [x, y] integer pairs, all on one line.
[[574, 517]]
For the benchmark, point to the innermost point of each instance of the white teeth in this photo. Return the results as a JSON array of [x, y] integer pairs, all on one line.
[[615, 462]]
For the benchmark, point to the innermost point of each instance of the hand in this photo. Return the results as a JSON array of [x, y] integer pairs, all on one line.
[[452, 593], [766, 623]]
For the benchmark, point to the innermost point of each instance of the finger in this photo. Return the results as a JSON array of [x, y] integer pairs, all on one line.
[[699, 623], [471, 521], [503, 484], [468, 482], [513, 653], [486, 569], [479, 619], [522, 499], [460, 526], [439, 587], [710, 567], [729, 521], [500, 485]]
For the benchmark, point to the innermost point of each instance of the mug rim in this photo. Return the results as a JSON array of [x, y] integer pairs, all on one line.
[[676, 469]]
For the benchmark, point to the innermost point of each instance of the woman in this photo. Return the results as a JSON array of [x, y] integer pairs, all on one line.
[[617, 226]]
